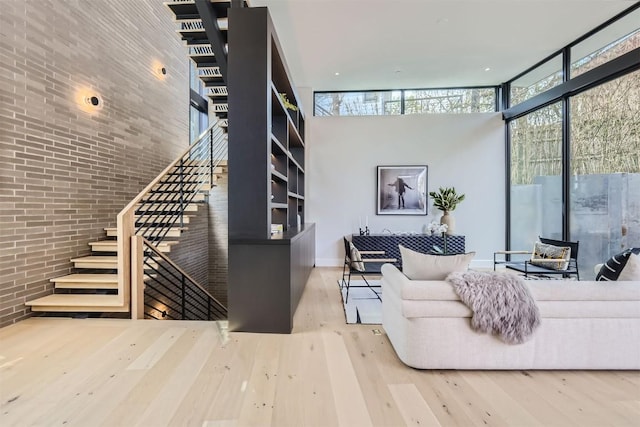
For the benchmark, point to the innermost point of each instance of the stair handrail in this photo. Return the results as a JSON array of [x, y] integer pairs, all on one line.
[[215, 309], [126, 228]]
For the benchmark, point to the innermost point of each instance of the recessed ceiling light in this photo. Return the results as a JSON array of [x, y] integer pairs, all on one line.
[[337, 74], [487, 69]]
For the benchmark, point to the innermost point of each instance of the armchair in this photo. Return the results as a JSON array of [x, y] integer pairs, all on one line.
[[542, 264], [360, 263]]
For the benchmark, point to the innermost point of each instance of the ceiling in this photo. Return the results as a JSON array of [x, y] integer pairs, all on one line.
[[373, 44]]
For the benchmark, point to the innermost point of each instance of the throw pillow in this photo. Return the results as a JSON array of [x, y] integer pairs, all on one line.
[[543, 251], [631, 271], [611, 269], [419, 266], [356, 258]]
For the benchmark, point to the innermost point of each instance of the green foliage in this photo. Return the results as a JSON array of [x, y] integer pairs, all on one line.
[[446, 199], [287, 103]]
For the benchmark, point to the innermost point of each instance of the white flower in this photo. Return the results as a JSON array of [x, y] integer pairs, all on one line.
[[436, 228]]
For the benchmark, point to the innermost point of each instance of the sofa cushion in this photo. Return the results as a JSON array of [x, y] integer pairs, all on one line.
[[543, 252], [631, 270], [356, 258], [611, 269], [419, 266]]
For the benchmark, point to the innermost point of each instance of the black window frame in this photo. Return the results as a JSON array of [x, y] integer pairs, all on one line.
[[611, 70], [496, 89]]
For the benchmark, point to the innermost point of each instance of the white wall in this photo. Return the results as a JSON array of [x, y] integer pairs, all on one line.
[[465, 151]]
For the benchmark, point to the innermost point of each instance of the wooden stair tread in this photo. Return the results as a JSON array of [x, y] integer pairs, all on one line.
[[78, 302], [87, 278], [100, 262], [112, 246], [114, 229], [162, 207], [86, 281], [173, 231], [97, 259]]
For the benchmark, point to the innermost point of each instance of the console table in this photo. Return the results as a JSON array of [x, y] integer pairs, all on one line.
[[418, 242]]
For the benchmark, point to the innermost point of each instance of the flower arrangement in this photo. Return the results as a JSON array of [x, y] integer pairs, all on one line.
[[436, 228], [446, 199]]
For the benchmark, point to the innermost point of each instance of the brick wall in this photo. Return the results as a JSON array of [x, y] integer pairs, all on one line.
[[65, 173], [219, 239], [191, 254]]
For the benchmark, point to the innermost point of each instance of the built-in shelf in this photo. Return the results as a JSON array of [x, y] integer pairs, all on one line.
[[278, 176], [270, 146]]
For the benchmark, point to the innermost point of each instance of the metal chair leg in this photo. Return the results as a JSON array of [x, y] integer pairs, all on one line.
[[370, 287]]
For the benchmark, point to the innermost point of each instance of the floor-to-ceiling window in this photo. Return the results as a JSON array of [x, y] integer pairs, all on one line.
[[574, 145], [536, 167], [605, 169]]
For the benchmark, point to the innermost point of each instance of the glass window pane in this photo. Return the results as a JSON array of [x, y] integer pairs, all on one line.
[[536, 81], [617, 39], [380, 103], [478, 100], [605, 170], [194, 124], [536, 183]]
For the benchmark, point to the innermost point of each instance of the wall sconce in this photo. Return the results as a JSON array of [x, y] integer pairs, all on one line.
[[93, 101], [159, 70], [88, 101]]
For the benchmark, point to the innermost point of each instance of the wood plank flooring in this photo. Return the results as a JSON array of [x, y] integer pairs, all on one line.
[[111, 372]]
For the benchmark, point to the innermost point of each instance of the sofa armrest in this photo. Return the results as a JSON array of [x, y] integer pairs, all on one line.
[[407, 289]]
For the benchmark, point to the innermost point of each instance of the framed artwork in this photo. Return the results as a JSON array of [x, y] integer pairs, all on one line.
[[402, 190]]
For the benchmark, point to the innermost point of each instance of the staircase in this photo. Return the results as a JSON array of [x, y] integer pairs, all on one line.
[[108, 279], [203, 27], [160, 214]]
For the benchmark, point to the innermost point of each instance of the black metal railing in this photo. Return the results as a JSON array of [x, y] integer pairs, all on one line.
[[163, 207], [170, 293]]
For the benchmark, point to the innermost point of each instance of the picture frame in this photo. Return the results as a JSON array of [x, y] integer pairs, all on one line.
[[402, 190]]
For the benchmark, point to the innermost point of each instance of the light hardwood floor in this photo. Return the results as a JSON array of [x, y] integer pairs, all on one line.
[[108, 372]]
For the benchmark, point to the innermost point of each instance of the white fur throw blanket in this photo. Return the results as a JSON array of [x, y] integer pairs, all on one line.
[[501, 304]]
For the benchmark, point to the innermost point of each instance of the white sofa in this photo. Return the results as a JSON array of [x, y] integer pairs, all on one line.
[[584, 325]]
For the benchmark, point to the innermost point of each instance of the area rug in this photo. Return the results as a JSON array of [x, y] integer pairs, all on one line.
[[364, 306]]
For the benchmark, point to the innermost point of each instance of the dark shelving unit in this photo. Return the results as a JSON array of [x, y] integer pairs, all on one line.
[[267, 272]]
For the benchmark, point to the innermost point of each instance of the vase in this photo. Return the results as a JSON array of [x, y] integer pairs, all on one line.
[[447, 218]]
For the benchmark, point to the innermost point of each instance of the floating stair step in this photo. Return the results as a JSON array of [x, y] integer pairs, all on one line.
[[104, 246], [204, 59], [183, 10], [78, 302], [172, 187], [112, 246], [173, 232], [190, 177], [174, 197], [151, 265], [186, 10], [106, 262], [161, 219], [165, 207], [86, 281], [201, 161]]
